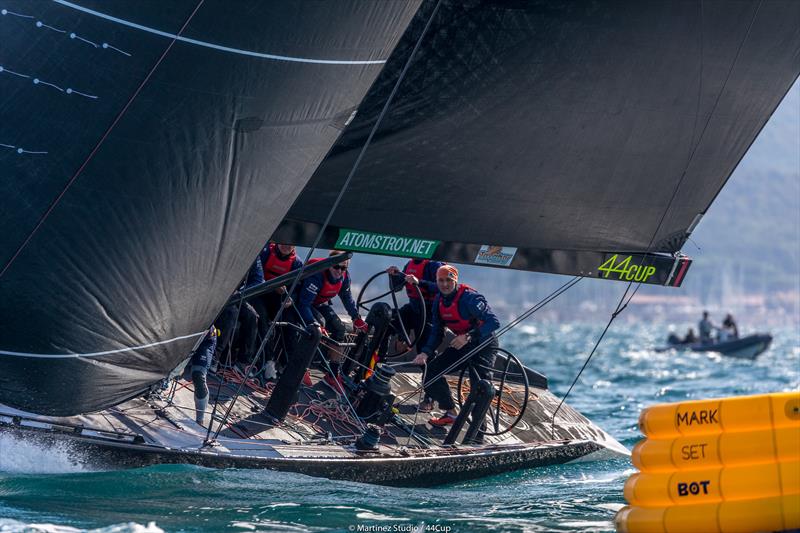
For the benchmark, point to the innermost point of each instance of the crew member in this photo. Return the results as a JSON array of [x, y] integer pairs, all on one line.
[[201, 361], [277, 260], [417, 273], [467, 314], [246, 335], [314, 306]]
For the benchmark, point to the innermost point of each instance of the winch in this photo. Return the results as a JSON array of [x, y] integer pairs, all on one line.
[[374, 399]]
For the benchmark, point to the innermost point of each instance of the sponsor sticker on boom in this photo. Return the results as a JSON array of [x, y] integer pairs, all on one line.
[[376, 243], [496, 255]]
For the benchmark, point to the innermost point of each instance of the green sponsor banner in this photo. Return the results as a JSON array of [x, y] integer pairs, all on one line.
[[376, 243]]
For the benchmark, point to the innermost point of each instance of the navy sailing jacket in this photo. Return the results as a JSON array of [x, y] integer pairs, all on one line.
[[472, 306], [311, 286], [204, 354], [255, 275]]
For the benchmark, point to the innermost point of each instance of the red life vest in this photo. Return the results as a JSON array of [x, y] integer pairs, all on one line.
[[451, 316], [328, 289], [275, 266], [418, 270]]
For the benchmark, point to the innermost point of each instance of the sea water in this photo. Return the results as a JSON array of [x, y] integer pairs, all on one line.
[[44, 492]]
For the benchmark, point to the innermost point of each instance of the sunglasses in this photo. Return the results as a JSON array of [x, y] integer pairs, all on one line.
[[340, 268]]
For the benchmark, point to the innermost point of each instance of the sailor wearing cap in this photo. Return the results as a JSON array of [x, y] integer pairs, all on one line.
[[467, 314]]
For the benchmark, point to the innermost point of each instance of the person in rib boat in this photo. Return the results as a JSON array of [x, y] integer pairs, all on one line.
[[706, 329], [314, 307], [467, 314]]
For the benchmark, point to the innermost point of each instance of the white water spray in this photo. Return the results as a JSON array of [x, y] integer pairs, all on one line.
[[27, 457]]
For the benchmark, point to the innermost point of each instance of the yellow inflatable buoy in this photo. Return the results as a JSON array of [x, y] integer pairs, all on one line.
[[746, 413], [724, 449], [729, 464], [778, 513], [686, 487]]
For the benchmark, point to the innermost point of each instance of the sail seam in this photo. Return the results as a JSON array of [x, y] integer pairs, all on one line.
[[96, 354], [206, 44]]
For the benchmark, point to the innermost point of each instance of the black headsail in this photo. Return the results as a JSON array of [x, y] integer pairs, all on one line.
[[148, 149], [575, 136]]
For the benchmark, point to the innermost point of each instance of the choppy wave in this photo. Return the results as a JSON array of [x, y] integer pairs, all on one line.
[[14, 526]]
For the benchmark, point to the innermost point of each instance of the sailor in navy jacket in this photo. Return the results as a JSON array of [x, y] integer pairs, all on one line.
[[424, 275], [466, 312], [473, 306], [277, 260], [200, 363], [314, 306], [310, 300]]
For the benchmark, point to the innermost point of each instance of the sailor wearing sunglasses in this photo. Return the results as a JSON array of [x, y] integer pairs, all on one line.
[[314, 304]]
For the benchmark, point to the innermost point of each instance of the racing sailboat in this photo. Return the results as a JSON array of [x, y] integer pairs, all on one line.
[[584, 140]]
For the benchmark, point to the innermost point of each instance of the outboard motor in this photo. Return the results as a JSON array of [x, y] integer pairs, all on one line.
[[374, 399]]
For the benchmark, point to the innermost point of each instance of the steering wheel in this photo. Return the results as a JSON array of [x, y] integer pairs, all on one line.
[[362, 304], [513, 371]]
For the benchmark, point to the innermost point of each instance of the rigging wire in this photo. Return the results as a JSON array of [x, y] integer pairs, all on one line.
[[621, 305], [622, 302], [338, 200], [219, 383]]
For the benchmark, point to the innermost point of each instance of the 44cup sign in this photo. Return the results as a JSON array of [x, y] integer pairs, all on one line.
[[624, 270]]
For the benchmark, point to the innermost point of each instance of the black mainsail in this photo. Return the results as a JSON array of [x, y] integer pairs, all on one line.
[[578, 136], [148, 150]]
